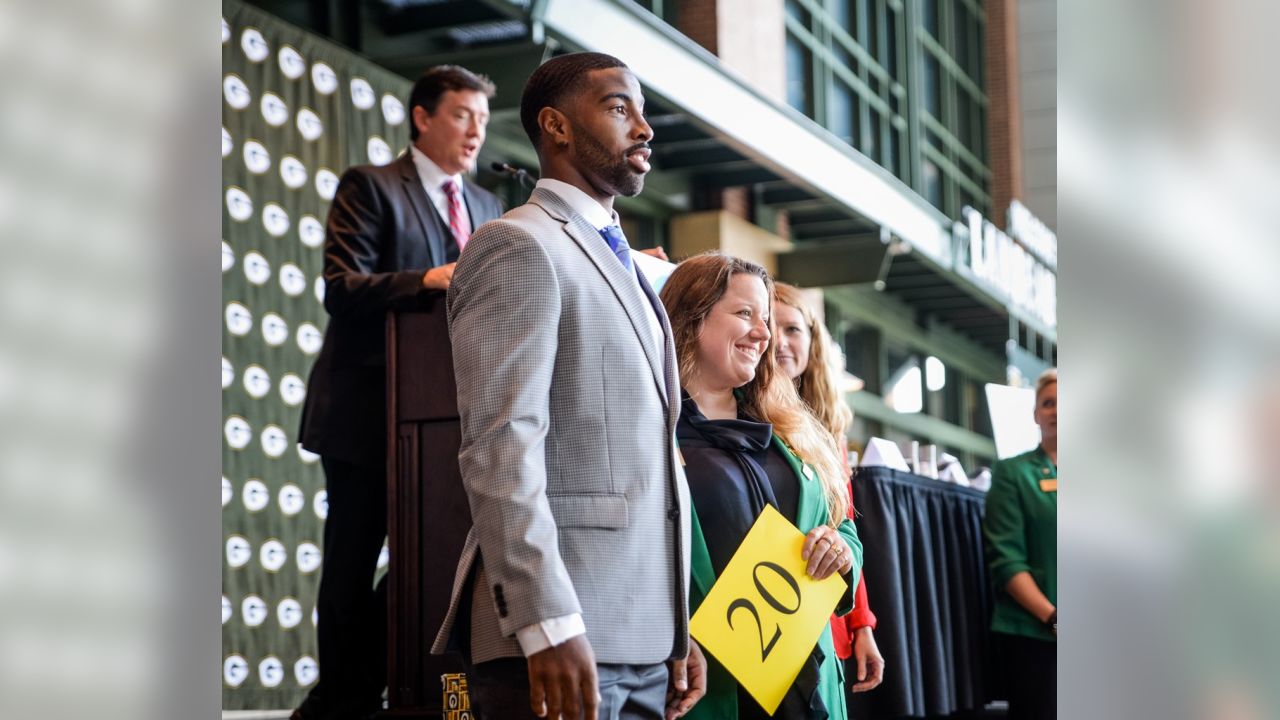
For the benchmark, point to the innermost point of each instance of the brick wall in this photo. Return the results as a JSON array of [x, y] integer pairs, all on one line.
[[1004, 127], [749, 38]]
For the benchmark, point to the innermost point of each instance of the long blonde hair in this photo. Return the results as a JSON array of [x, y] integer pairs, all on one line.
[[688, 295], [819, 384]]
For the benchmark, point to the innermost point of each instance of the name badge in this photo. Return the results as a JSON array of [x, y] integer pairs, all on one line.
[[1050, 485]]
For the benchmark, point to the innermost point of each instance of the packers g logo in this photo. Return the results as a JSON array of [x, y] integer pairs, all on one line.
[[274, 111], [234, 670], [362, 95], [324, 78], [291, 62], [392, 109], [254, 45], [274, 329], [253, 610], [256, 268]]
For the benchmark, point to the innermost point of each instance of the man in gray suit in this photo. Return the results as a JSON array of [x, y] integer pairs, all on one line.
[[571, 594]]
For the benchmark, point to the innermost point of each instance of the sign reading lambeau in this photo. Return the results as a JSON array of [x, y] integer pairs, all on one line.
[[1022, 267], [764, 614]]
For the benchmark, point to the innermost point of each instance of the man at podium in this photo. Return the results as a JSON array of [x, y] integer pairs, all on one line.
[[571, 594], [393, 235]]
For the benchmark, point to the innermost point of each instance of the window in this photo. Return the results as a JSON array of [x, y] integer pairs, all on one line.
[[841, 111], [799, 74]]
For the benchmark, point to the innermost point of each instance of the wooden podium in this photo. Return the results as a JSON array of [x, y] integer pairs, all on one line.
[[428, 515]]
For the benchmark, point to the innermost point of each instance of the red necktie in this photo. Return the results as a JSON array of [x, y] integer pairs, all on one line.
[[459, 223]]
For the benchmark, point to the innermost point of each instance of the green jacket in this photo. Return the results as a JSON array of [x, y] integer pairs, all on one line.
[[721, 700], [1021, 531]]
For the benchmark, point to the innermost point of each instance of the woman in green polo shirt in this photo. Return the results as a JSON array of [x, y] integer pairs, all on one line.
[[1022, 548]]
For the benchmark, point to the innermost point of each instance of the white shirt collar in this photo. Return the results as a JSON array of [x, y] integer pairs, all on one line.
[[429, 173], [580, 202]]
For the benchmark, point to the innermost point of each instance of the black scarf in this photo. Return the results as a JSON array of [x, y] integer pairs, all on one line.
[[729, 490]]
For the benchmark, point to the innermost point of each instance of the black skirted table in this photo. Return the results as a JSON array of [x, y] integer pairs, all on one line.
[[926, 583]]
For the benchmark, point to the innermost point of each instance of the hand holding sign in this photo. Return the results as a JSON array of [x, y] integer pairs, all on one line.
[[765, 613]]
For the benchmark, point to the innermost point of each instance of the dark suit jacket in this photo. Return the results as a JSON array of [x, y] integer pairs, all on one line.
[[383, 233]]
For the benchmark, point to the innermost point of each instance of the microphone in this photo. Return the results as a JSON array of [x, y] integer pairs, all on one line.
[[518, 173]]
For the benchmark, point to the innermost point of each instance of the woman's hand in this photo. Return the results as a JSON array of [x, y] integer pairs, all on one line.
[[826, 552], [870, 662]]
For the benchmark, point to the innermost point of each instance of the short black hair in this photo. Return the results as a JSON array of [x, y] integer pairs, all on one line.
[[555, 81], [437, 81]]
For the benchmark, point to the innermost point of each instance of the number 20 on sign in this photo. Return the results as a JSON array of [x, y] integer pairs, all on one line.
[[764, 614]]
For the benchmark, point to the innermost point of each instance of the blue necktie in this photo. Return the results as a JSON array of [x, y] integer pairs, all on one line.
[[618, 244]]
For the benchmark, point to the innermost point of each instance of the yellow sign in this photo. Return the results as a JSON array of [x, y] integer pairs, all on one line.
[[764, 614]]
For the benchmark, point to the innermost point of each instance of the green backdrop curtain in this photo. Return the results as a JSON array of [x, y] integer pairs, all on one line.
[[297, 111]]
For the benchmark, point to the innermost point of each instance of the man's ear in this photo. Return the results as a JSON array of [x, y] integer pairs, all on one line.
[[555, 127], [421, 119]]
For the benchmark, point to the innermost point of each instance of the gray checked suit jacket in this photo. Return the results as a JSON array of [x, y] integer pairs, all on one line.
[[568, 412]]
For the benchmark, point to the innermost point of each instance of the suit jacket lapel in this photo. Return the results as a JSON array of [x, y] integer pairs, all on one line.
[[474, 208], [669, 367], [626, 290], [423, 208]]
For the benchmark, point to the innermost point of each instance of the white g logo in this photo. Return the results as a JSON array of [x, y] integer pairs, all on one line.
[[324, 78], [321, 504], [292, 390], [379, 151], [239, 205], [254, 611], [271, 671], [234, 670], [307, 456], [239, 319], [236, 92], [226, 609], [308, 557], [256, 381], [272, 555], [254, 45], [274, 442], [310, 231], [326, 183], [227, 491], [289, 613], [256, 157], [309, 338], [274, 111], [237, 431], [292, 280], [305, 671], [361, 93], [309, 124], [256, 268], [274, 329], [228, 373], [275, 219], [392, 109], [238, 551], [292, 500], [293, 172], [256, 495], [227, 145], [228, 257], [226, 31], [291, 63]]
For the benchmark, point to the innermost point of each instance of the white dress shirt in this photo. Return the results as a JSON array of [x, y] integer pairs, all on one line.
[[600, 218], [549, 633], [433, 179]]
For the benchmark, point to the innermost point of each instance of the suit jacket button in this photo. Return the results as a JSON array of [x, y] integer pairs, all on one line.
[[673, 514]]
